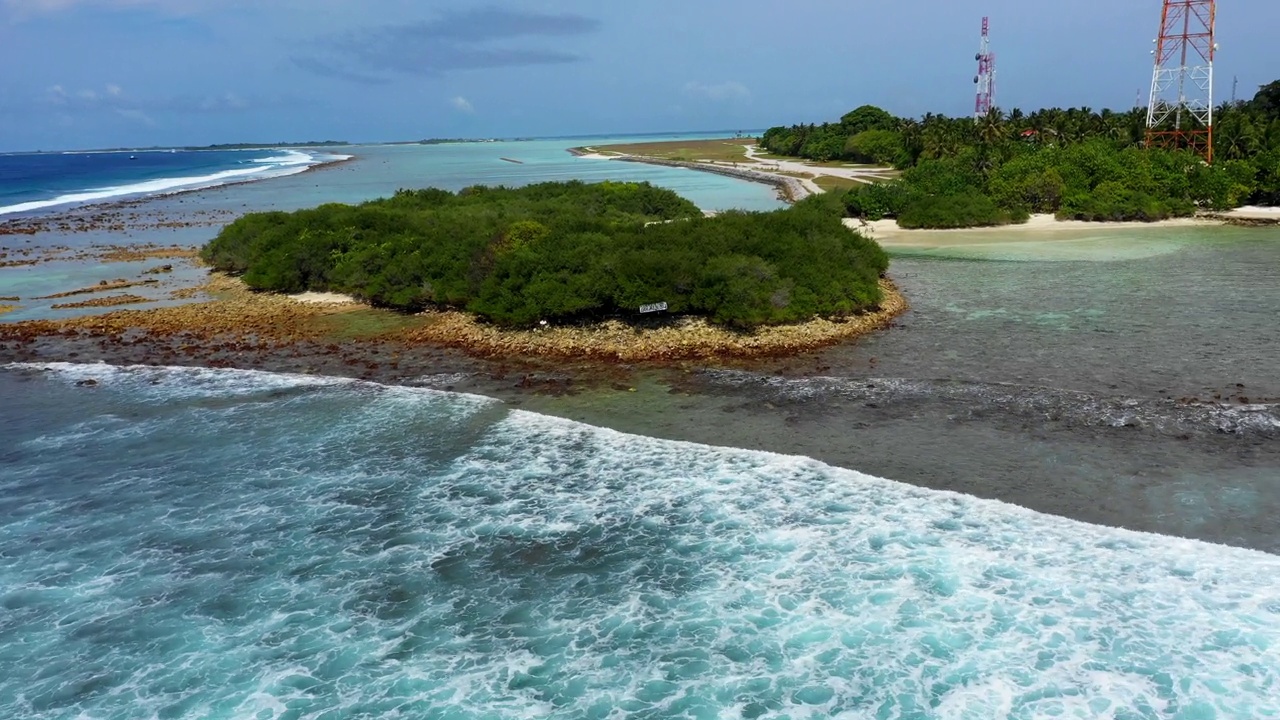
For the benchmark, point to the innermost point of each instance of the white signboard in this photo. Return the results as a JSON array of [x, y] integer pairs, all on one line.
[[655, 307]]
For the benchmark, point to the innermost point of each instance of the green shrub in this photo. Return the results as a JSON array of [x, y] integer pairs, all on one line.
[[881, 147], [956, 211], [563, 251], [1113, 201], [876, 201]]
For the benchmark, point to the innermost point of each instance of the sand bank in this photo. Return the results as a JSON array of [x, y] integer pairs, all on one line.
[[1254, 213], [791, 189], [1039, 227]]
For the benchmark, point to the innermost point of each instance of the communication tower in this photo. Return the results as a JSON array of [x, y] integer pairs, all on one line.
[[1180, 113], [986, 77]]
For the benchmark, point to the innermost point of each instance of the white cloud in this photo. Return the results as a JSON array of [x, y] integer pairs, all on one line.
[[229, 101], [719, 92], [462, 104], [136, 115], [84, 97]]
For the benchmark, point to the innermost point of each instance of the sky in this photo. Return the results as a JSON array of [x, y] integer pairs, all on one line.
[[80, 74]]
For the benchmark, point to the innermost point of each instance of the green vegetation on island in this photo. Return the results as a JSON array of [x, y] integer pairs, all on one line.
[[1075, 163], [563, 251]]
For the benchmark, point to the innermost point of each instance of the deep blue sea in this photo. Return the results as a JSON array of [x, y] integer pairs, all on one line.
[[31, 182], [179, 543]]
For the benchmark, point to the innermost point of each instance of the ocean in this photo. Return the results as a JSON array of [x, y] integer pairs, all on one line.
[[1078, 522], [32, 182], [231, 544]]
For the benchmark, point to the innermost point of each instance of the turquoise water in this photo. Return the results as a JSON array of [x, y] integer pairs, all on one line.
[[377, 171], [228, 544], [382, 169]]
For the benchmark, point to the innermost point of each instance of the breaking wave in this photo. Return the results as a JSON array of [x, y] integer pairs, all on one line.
[[271, 546]]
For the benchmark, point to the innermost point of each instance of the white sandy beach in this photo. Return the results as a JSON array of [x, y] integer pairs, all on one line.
[[1255, 212], [1039, 227]]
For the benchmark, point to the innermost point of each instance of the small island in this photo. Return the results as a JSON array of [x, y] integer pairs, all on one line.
[[573, 264]]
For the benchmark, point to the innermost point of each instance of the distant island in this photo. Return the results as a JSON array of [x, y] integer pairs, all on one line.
[[195, 148]]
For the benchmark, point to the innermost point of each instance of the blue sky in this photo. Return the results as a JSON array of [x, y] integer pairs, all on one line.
[[105, 73]]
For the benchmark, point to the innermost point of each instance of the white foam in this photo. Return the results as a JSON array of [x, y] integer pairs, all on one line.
[[595, 570], [292, 163], [291, 157], [162, 382]]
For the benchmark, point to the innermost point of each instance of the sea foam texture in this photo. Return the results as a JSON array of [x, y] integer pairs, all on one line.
[[291, 162], [286, 547]]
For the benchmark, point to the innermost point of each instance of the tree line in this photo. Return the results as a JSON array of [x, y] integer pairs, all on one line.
[[1075, 162], [562, 251]]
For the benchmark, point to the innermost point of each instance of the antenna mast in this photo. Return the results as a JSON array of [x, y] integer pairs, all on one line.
[[1180, 112], [986, 77]]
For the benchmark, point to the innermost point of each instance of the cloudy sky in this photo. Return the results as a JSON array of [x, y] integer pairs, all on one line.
[[104, 73]]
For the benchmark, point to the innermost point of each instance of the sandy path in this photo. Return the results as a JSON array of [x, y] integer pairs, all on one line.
[[866, 175]]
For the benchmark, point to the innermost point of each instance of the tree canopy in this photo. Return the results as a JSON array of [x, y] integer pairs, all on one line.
[[1075, 162], [563, 251]]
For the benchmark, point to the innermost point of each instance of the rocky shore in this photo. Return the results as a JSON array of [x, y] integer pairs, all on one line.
[[238, 316]]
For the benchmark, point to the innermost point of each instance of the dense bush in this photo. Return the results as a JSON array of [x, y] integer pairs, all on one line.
[[1048, 161], [1112, 201], [876, 201], [563, 251], [957, 211], [879, 147]]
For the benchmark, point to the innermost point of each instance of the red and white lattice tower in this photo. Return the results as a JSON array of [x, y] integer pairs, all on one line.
[[986, 78], [1180, 114]]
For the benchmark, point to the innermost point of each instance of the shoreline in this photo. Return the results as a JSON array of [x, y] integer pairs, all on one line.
[[237, 313]]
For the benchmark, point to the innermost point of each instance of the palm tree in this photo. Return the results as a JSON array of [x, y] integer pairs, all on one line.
[[991, 128], [911, 132]]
